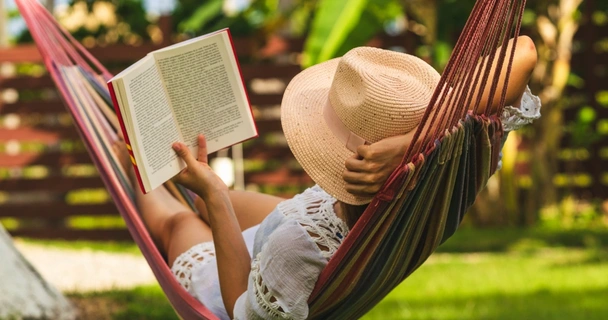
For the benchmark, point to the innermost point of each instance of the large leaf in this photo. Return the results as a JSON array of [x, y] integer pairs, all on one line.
[[340, 25], [203, 14]]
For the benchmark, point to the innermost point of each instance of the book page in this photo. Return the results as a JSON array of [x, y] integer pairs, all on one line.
[[205, 89], [153, 125]]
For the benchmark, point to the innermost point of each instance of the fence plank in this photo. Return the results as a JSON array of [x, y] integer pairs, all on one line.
[[39, 134], [282, 176], [21, 82], [73, 234], [52, 184], [20, 54], [268, 126], [265, 153], [24, 108], [55, 210], [261, 71], [54, 159]]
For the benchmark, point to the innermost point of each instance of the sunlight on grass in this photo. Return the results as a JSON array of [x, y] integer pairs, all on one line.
[[549, 284]]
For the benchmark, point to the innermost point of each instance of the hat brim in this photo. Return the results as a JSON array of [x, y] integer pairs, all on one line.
[[312, 142]]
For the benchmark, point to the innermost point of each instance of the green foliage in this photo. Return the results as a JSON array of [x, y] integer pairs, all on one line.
[[340, 25], [131, 12], [196, 18], [573, 214], [602, 98], [206, 12], [582, 129]]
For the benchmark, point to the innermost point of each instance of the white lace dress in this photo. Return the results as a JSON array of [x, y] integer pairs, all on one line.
[[289, 249]]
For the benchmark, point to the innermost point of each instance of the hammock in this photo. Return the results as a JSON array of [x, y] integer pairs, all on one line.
[[419, 207]]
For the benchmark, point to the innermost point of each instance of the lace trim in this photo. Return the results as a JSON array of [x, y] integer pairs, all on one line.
[[314, 210], [201, 253], [263, 297], [514, 118]]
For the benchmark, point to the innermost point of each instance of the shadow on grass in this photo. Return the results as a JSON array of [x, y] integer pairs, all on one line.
[[147, 303], [588, 304], [593, 256], [502, 240]]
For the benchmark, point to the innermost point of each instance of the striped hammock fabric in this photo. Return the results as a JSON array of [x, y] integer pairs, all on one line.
[[419, 207]]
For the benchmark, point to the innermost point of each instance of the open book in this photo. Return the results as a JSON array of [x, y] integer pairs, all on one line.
[[174, 94]]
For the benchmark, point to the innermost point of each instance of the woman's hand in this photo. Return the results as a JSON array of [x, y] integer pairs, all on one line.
[[368, 169], [198, 176]]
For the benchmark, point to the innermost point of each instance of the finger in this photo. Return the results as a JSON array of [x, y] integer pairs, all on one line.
[[355, 165], [361, 191], [356, 178], [202, 149], [184, 153], [364, 151]]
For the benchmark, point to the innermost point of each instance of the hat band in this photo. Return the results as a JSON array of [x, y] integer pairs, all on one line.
[[350, 139]]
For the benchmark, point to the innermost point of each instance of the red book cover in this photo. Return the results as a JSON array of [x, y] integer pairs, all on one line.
[[124, 133]]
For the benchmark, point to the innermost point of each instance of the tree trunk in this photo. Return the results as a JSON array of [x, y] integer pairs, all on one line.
[[556, 26], [555, 29], [24, 294]]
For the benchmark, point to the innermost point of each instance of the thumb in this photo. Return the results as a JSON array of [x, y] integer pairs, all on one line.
[[184, 153]]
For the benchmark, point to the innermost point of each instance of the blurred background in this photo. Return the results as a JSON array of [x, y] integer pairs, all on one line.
[[534, 245]]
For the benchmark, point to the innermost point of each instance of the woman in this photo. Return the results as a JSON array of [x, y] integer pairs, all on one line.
[[348, 121]]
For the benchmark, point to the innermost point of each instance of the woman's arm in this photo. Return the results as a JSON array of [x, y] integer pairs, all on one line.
[[233, 261], [524, 62], [369, 168]]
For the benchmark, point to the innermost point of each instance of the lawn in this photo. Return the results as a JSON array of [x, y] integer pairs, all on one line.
[[495, 274], [551, 283]]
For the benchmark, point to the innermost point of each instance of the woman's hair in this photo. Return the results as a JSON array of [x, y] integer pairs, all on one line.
[[351, 213]]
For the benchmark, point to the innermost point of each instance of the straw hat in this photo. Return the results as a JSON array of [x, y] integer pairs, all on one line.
[[330, 109]]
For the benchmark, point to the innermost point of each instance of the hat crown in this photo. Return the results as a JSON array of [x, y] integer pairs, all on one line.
[[379, 93]]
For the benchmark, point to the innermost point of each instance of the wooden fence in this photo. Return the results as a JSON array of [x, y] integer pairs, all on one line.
[[50, 189]]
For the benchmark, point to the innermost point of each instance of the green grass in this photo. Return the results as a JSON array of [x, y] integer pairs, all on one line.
[[538, 283], [147, 303], [477, 274], [502, 240], [551, 283]]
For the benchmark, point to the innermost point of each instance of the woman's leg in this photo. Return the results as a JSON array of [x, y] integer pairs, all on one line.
[[173, 227], [251, 208]]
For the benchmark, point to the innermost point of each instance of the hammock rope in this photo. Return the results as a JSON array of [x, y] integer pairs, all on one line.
[[419, 207]]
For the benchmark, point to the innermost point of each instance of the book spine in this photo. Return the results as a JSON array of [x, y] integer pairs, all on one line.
[[126, 137], [238, 65]]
